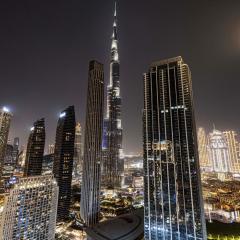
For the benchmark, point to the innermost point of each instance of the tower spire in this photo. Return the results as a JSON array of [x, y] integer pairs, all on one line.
[[115, 12]]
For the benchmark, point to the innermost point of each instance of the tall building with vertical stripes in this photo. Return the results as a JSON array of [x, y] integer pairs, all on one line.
[[219, 152], [113, 164], [90, 190], [35, 149], [173, 197], [63, 160], [5, 120], [233, 149], [203, 150]]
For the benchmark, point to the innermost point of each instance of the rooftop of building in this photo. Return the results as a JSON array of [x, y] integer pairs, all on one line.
[[166, 61], [125, 227]]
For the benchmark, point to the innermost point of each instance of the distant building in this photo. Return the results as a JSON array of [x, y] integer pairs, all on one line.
[[15, 149], [47, 167], [233, 149], [173, 196], [21, 157], [29, 210], [9, 163], [219, 152], [63, 160], [35, 149], [90, 191], [203, 150], [51, 148], [78, 152], [5, 120]]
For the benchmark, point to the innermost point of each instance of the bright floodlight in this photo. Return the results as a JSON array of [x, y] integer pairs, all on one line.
[[63, 114], [5, 109], [32, 128]]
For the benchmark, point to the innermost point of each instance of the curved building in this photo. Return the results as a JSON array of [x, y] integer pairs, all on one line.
[[124, 227]]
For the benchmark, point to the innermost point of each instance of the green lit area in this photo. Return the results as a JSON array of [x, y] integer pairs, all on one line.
[[223, 231]]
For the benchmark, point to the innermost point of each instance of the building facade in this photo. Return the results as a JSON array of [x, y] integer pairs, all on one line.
[[15, 149], [113, 164], [78, 152], [5, 120], [203, 150], [9, 164], [35, 149], [173, 198], [63, 160], [47, 166], [29, 210], [219, 152], [233, 149], [90, 191]]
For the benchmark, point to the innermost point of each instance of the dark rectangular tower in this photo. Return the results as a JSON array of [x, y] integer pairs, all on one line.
[[173, 196], [35, 149], [90, 194], [63, 160]]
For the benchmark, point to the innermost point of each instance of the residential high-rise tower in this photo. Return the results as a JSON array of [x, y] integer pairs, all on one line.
[[233, 149], [5, 120], [29, 209], [203, 150], [219, 152], [172, 185], [90, 192], [63, 160], [78, 152], [35, 149]]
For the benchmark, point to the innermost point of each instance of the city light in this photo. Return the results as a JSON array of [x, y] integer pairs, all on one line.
[[182, 182], [5, 109], [63, 114]]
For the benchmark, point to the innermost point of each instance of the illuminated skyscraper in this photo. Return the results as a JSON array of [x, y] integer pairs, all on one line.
[[9, 163], [15, 149], [63, 160], [233, 149], [35, 149], [113, 160], [29, 210], [172, 185], [51, 148], [90, 194], [5, 120], [203, 150], [219, 152], [78, 151]]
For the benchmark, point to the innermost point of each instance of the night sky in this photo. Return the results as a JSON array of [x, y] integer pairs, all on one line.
[[45, 47]]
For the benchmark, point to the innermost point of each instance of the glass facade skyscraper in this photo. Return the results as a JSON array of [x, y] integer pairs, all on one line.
[[90, 191], [35, 149], [173, 198], [63, 160], [113, 162]]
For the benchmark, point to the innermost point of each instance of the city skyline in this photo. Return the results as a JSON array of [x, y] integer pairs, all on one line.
[[66, 63]]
